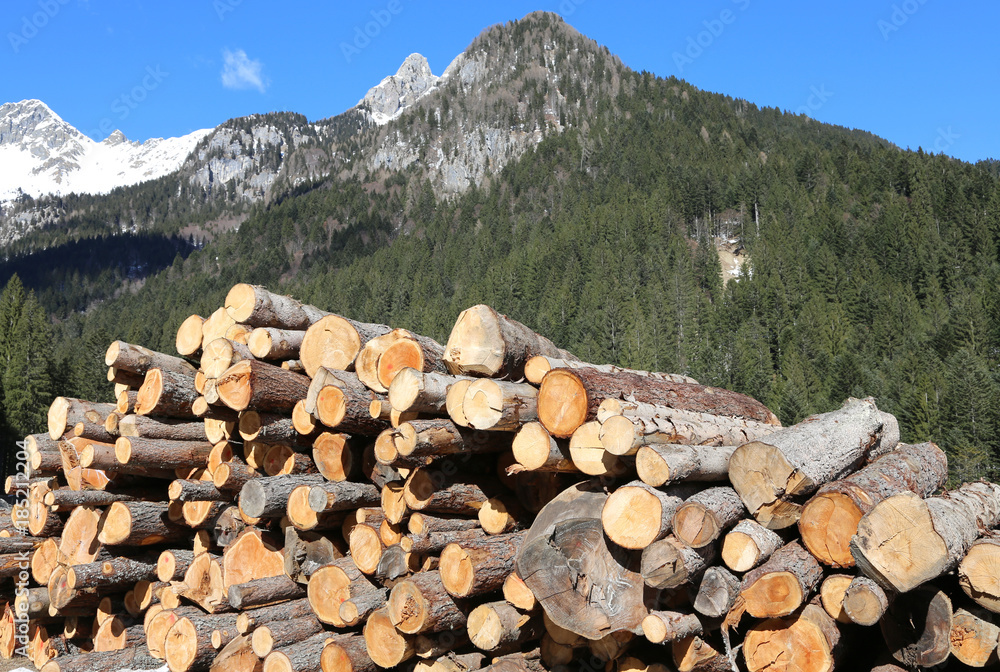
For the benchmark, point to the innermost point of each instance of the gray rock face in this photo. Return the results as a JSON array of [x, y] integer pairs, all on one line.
[[397, 92]]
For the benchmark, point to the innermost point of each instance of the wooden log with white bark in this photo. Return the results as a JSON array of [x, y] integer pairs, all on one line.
[[139, 360], [257, 307]]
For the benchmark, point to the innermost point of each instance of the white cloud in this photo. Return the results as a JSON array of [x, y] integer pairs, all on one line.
[[239, 72]]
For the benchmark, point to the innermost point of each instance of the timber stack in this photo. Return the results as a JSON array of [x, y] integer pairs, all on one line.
[[298, 491]]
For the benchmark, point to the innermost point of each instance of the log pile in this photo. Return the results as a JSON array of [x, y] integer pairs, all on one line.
[[301, 491]]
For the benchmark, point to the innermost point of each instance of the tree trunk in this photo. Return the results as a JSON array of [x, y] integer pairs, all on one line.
[[139, 524], [275, 344], [979, 571], [359, 607], [265, 591], [831, 517], [488, 344], [420, 442], [342, 496], [585, 585], [663, 464], [421, 604], [499, 405], [188, 340], [166, 393], [430, 490], [188, 644], [93, 431], [917, 627], [476, 566], [249, 619], [335, 342], [331, 585], [498, 625], [267, 427], [668, 563], [255, 306], [570, 397], [538, 366], [797, 460], [161, 428], [536, 450], [387, 646], [194, 490], [664, 627], [905, 540], [347, 653], [832, 592], [268, 497], [782, 584], [261, 386], [704, 516], [118, 573], [864, 601], [717, 592], [139, 360], [303, 656]]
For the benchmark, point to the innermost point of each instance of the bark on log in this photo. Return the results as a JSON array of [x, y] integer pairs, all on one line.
[[304, 656], [359, 607], [274, 343], [257, 307], [636, 514], [342, 496], [188, 644], [347, 653], [173, 564], [668, 563], [93, 431], [421, 604], [195, 490], [166, 393], [161, 428], [343, 402], [422, 524], [335, 342], [261, 386], [136, 658], [538, 366], [430, 490], [797, 460], [536, 450], [905, 540], [831, 517], [267, 427], [748, 545], [154, 453], [665, 627], [306, 552], [498, 625], [302, 517], [570, 397], [584, 585], [422, 392], [660, 465], [114, 573], [917, 627], [265, 591], [782, 584], [420, 442], [139, 360], [864, 601], [979, 571], [499, 405], [477, 566], [704, 516], [249, 619], [278, 634]]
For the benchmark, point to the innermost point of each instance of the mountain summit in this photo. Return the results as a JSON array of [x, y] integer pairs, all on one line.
[[395, 93]]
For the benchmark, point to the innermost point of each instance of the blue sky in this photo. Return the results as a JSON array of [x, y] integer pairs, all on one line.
[[917, 72]]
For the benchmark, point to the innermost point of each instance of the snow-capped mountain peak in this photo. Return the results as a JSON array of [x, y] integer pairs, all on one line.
[[40, 153], [395, 93]]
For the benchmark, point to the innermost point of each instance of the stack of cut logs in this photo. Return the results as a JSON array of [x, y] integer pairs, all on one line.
[[298, 492]]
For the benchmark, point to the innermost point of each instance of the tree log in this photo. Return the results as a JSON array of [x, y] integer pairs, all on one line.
[[336, 455], [420, 604], [428, 489], [257, 307], [139, 524], [585, 585], [343, 402], [832, 592], [275, 343], [831, 517], [498, 625], [188, 644], [117, 573], [917, 627], [536, 450], [808, 641], [278, 634], [414, 351], [663, 464], [636, 514], [161, 428], [570, 397], [973, 639], [905, 540], [342, 496], [65, 412], [166, 393], [359, 607], [488, 344], [387, 646], [306, 552], [668, 563], [331, 585], [153, 453], [717, 593], [261, 386], [268, 497], [590, 457], [249, 619], [664, 627], [252, 556], [499, 405], [422, 392], [477, 566], [303, 656], [748, 545], [188, 340], [516, 591], [221, 353], [335, 342], [782, 584], [979, 571], [864, 601], [704, 516], [135, 658], [797, 460], [347, 653], [140, 360]]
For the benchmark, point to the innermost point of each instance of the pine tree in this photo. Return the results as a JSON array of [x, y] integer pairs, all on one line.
[[27, 379]]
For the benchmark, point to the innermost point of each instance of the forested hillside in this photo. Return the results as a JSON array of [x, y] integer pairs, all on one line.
[[874, 271]]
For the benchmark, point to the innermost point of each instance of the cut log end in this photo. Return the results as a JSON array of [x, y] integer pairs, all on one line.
[[632, 518], [828, 522], [562, 403]]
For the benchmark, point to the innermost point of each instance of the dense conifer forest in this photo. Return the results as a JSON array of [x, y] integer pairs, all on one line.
[[873, 271]]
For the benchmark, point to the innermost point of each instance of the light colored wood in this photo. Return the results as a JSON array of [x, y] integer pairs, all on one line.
[[335, 342], [273, 343], [807, 642], [663, 464], [864, 601], [748, 545], [973, 639], [166, 393], [782, 584], [590, 457], [188, 340], [664, 627], [263, 387], [979, 573], [536, 450], [137, 359], [499, 405], [498, 625], [221, 353], [636, 514], [832, 593]]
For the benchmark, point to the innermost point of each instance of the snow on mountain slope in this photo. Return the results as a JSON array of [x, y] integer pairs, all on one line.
[[42, 154]]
